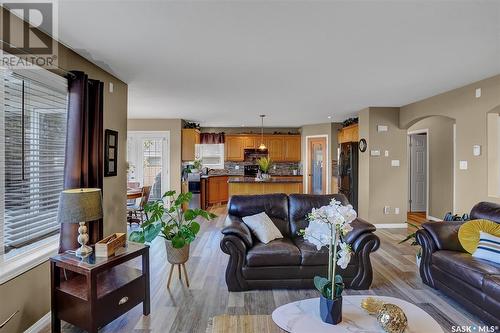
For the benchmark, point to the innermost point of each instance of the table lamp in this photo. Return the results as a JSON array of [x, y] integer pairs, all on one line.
[[80, 205]]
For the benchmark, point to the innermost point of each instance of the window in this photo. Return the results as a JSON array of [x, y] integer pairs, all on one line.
[[33, 112], [211, 155]]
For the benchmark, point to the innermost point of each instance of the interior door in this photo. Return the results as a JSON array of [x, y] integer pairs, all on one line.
[[418, 173], [316, 165]]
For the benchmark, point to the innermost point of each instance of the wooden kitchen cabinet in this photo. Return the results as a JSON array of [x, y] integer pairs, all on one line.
[[250, 142], [291, 148], [233, 147], [217, 190], [274, 144], [190, 137], [348, 134]]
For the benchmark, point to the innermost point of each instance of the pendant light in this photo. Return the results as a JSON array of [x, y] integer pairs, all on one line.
[[262, 145]]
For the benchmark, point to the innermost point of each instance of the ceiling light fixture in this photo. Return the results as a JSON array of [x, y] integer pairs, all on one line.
[[329, 117], [262, 145]]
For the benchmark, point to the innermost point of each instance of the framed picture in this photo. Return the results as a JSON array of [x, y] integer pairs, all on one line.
[[110, 152]]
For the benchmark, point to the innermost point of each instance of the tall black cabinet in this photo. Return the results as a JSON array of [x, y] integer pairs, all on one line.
[[348, 172]]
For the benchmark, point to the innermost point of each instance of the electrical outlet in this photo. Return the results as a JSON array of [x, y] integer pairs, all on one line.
[[386, 153], [236, 167], [396, 210], [274, 167], [387, 210]]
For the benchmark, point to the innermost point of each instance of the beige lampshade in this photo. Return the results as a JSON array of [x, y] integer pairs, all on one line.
[[80, 205]]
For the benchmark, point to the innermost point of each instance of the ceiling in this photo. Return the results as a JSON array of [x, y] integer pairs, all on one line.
[[222, 63]]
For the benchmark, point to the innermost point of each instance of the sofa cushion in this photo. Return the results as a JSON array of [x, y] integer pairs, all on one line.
[[262, 227], [300, 205], [274, 205], [486, 210], [492, 286], [279, 252], [310, 256], [465, 266]]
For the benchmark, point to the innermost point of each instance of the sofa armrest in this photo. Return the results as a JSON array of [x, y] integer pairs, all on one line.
[[444, 235], [425, 240], [234, 226], [360, 227]]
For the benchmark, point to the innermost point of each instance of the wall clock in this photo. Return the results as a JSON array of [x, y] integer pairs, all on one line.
[[362, 145]]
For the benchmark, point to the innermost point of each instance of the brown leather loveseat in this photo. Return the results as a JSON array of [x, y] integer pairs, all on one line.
[[445, 265], [289, 262]]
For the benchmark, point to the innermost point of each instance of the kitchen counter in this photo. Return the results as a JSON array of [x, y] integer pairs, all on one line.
[[276, 179]]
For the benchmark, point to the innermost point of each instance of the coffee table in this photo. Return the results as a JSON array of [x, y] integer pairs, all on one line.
[[303, 317]]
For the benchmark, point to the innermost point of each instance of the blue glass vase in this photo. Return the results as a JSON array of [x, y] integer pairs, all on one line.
[[330, 310]]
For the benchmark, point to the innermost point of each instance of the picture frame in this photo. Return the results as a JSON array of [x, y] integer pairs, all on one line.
[[110, 153]]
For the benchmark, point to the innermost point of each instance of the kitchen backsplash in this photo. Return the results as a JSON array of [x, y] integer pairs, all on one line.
[[278, 168]]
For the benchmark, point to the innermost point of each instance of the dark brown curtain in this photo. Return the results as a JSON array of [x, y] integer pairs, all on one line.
[[212, 138], [83, 166]]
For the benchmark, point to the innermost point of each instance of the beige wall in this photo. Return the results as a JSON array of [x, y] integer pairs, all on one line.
[[312, 130], [174, 126], [494, 153], [380, 184], [440, 152], [30, 292], [470, 114]]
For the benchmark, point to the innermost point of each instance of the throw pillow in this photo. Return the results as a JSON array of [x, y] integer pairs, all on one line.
[[468, 234], [488, 248], [262, 227]]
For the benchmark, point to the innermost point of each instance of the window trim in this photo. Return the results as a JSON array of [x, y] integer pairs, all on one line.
[[28, 260]]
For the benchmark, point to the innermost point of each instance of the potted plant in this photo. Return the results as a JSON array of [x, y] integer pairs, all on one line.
[[196, 166], [265, 164], [328, 226], [176, 226], [294, 169], [412, 237]]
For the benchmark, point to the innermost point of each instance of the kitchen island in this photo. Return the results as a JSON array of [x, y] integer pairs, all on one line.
[[250, 185]]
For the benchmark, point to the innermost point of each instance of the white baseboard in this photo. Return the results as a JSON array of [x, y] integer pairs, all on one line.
[[40, 324], [432, 218], [390, 225]]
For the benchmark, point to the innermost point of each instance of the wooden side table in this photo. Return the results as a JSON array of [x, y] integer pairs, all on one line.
[[101, 290]]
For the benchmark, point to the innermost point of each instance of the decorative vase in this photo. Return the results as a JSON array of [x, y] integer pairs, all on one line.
[[330, 310], [176, 256], [266, 176], [418, 259]]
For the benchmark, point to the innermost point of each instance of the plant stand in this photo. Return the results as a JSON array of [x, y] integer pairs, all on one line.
[[180, 274]]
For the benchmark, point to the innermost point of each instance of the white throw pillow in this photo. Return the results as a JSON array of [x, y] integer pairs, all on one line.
[[262, 227], [488, 247]]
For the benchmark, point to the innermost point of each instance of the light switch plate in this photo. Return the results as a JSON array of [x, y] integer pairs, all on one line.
[[387, 210], [382, 128], [396, 210], [476, 150], [386, 153], [395, 163], [375, 152], [478, 92], [463, 165], [111, 87]]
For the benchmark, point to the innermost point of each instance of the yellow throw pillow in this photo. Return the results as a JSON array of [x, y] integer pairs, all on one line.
[[468, 234]]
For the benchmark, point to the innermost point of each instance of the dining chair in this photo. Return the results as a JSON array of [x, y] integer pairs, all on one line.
[[135, 212]]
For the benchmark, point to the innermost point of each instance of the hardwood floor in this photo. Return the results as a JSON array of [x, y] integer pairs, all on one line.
[[417, 218], [192, 310]]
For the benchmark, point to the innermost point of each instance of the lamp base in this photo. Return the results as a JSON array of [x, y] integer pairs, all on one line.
[[83, 251]]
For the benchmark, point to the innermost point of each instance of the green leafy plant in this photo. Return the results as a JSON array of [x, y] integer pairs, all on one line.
[[413, 238], [171, 223], [265, 164], [197, 164]]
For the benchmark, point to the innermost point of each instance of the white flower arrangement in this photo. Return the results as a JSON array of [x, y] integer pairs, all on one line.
[[327, 227]]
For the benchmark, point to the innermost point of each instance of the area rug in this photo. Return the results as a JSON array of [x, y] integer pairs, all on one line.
[[242, 324]]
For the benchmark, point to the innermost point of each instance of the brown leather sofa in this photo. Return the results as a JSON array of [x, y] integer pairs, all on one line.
[[289, 262], [445, 265]]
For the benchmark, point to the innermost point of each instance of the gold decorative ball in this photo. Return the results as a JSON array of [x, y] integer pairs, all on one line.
[[392, 318]]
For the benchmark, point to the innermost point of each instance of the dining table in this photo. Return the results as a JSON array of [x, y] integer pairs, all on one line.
[[134, 193]]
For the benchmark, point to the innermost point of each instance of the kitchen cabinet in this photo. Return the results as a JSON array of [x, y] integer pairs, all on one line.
[[233, 147], [190, 137], [217, 190], [282, 148], [291, 148], [250, 142], [274, 144], [348, 134]]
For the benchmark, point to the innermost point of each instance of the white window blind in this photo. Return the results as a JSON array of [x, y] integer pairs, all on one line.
[[33, 116]]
